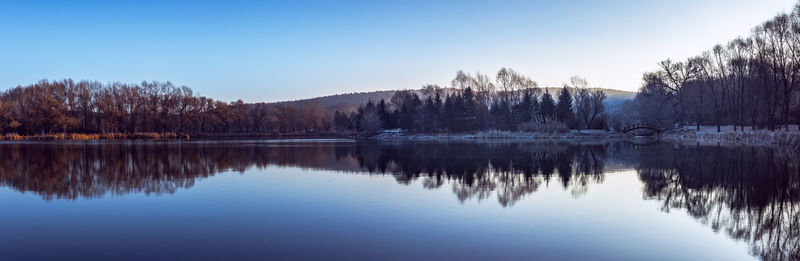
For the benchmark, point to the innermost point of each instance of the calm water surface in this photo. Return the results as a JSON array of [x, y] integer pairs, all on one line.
[[334, 200]]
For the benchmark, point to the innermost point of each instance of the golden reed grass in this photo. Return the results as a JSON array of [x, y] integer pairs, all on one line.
[[100, 136]]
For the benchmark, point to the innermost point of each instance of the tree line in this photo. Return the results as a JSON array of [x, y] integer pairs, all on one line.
[[750, 81], [512, 102], [67, 106]]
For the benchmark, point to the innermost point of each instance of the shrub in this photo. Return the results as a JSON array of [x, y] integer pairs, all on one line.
[[543, 125], [12, 136], [103, 136]]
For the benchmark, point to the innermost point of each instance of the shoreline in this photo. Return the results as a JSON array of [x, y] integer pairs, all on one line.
[[505, 135], [167, 136], [786, 139]]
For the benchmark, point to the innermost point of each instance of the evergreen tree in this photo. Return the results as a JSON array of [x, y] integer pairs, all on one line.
[[384, 115], [438, 106], [341, 121], [535, 107], [427, 115], [431, 114], [458, 113], [523, 112], [547, 107], [468, 114], [501, 115], [449, 112], [564, 111], [354, 120], [408, 112], [437, 100], [481, 117], [366, 118]]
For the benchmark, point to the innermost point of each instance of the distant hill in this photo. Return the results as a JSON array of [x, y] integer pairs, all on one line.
[[616, 98], [612, 96], [342, 102], [350, 101]]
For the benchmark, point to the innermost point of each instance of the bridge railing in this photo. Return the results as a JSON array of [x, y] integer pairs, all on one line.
[[643, 125]]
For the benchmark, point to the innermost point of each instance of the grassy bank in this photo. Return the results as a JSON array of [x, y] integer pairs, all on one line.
[[260, 136], [171, 136], [788, 139], [100, 136], [507, 135]]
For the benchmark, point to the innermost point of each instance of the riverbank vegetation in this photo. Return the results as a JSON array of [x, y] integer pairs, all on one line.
[[66, 107], [100, 136], [513, 102], [750, 81]]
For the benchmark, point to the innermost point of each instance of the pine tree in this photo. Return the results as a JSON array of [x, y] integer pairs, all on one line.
[[523, 112], [341, 121], [438, 106], [547, 107], [449, 113], [408, 112], [469, 113], [426, 115], [564, 111], [364, 117], [385, 115], [501, 115]]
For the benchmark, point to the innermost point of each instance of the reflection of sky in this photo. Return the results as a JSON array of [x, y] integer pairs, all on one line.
[[268, 50], [294, 213]]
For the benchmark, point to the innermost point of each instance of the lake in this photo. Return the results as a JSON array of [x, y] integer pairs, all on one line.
[[347, 200]]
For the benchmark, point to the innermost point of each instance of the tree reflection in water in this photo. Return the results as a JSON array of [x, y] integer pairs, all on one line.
[[752, 194], [749, 193], [475, 170]]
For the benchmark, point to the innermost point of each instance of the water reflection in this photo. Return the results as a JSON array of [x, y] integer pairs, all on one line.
[[474, 170], [477, 170], [89, 170], [750, 194]]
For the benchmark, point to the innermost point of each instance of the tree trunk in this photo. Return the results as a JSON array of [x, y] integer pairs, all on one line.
[[786, 99]]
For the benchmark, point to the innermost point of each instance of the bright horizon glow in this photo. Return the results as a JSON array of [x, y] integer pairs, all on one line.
[[259, 51]]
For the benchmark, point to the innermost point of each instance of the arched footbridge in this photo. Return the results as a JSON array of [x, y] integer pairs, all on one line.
[[643, 126]]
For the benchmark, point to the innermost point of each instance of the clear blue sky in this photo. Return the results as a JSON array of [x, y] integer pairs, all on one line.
[[270, 51]]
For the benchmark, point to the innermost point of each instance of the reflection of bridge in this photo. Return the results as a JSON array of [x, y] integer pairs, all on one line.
[[643, 126]]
